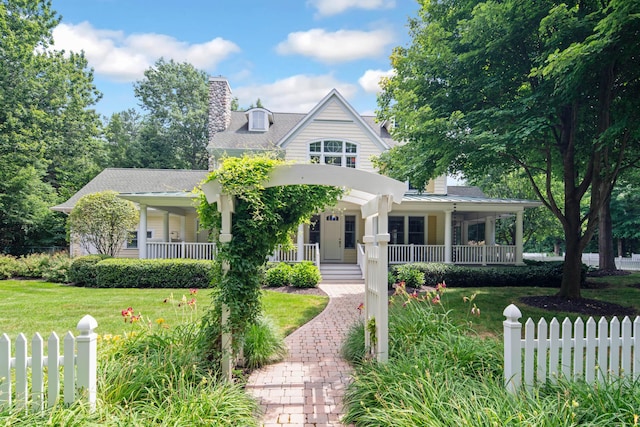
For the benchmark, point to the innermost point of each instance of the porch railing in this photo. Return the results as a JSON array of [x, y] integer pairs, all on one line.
[[190, 250], [310, 252], [461, 254], [403, 254]]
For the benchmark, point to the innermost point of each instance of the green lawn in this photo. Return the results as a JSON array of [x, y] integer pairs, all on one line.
[[31, 306], [493, 300]]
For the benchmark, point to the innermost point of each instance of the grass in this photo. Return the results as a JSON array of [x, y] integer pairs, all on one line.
[[158, 378], [493, 300], [31, 306]]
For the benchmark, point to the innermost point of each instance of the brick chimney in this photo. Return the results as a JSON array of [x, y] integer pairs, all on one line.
[[219, 109]]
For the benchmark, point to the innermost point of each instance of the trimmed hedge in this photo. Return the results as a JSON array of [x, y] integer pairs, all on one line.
[[546, 275], [145, 273], [83, 272]]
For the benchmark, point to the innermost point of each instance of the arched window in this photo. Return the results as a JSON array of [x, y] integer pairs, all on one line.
[[334, 152]]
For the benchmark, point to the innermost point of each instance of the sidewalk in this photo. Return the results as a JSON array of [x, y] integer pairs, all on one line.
[[306, 389]]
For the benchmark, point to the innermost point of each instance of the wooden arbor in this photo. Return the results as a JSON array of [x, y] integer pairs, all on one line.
[[375, 194]]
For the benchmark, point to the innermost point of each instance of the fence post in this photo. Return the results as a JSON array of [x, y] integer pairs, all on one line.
[[87, 358], [512, 348]]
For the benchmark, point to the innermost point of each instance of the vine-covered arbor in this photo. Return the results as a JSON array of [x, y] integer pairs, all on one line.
[[375, 195]]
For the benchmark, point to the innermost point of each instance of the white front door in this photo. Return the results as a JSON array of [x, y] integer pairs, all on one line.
[[332, 238]]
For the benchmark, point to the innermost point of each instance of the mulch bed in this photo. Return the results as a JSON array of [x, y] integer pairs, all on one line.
[[589, 307]]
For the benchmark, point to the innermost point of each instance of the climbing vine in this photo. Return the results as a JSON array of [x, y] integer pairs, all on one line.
[[262, 219]]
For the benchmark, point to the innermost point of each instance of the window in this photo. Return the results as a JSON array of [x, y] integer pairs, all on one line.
[[396, 230], [349, 231], [334, 152], [314, 229], [416, 230], [259, 119], [133, 239]]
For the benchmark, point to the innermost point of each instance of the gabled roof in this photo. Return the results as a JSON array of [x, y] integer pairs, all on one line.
[[334, 94], [238, 137], [124, 180]]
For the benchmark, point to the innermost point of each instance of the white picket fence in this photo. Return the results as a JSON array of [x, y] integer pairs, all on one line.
[[78, 363], [595, 351]]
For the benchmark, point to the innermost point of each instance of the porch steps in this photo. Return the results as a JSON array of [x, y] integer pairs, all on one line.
[[341, 273]]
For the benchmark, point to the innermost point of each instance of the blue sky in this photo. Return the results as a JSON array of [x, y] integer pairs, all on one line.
[[288, 53]]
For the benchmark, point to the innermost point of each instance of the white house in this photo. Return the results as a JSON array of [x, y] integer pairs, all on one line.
[[430, 225]]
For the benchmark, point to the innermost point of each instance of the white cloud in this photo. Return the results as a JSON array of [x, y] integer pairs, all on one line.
[[370, 80], [123, 57], [295, 94], [334, 7], [339, 46]]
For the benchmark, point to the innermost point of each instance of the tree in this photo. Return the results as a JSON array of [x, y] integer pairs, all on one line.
[[176, 96], [122, 133], [544, 86], [46, 127], [103, 222]]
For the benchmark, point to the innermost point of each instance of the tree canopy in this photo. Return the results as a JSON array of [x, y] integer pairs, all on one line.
[[174, 134], [544, 86], [47, 129]]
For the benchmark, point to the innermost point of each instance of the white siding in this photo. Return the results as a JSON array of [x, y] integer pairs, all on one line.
[[334, 122]]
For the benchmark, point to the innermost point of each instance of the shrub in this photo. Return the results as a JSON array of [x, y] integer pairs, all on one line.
[[9, 266], [52, 268], [263, 344], [82, 271], [154, 273], [305, 275], [278, 275], [411, 275]]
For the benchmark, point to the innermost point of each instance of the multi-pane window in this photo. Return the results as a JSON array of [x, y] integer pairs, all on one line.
[[396, 230], [349, 231], [416, 230], [334, 152], [314, 229]]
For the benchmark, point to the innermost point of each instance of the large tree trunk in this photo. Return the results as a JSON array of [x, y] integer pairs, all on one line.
[[571, 273], [606, 257]]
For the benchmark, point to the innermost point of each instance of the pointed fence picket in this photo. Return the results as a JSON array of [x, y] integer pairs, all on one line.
[[78, 363], [589, 351]]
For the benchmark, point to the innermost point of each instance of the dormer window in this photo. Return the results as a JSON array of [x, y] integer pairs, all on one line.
[[259, 119]]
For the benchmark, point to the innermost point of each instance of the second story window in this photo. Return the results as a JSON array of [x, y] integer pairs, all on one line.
[[259, 119], [334, 152]]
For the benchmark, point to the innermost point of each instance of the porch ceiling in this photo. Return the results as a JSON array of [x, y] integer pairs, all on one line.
[[178, 203]]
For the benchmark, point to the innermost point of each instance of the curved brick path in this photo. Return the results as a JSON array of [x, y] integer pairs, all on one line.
[[306, 389]]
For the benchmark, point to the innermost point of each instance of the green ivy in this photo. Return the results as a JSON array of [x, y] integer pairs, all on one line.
[[263, 218]]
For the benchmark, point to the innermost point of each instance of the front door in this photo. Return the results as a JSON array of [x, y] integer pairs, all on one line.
[[332, 241]]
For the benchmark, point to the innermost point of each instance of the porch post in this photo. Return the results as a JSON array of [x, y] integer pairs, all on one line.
[[142, 233], [447, 236], [183, 228], [369, 240], [490, 231], [465, 232], [165, 226], [519, 243], [300, 256]]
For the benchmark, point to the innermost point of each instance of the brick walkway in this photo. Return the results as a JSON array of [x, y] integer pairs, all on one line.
[[306, 389]]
